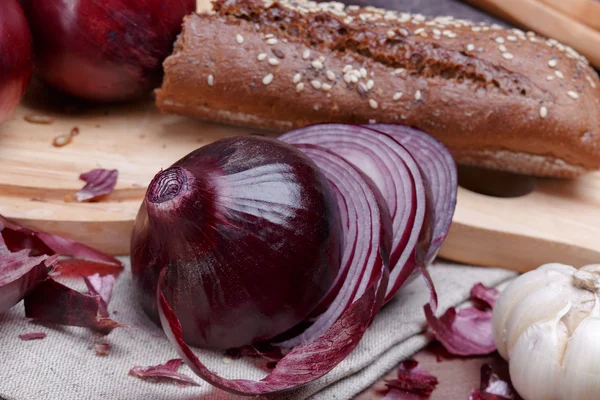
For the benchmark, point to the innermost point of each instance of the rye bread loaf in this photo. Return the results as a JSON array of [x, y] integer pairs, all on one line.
[[498, 98]]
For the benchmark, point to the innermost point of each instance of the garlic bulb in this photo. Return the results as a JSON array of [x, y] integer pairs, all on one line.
[[546, 324]]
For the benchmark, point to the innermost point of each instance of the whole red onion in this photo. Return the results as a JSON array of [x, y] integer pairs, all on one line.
[[248, 231], [16, 56], [107, 50]]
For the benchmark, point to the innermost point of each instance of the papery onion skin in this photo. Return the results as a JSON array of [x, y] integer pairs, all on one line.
[[109, 50], [249, 233], [16, 56]]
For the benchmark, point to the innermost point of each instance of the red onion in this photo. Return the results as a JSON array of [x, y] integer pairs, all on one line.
[[16, 56], [109, 50], [365, 259], [248, 233], [387, 209]]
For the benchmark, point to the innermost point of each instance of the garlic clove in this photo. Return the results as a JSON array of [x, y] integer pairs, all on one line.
[[542, 304], [581, 363], [517, 290], [535, 361]]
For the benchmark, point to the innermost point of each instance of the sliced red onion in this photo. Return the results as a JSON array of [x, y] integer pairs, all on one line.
[[18, 237], [483, 296], [361, 259], [394, 172], [20, 273], [99, 182], [412, 382], [55, 303], [491, 387], [466, 333], [32, 336], [166, 372], [344, 323], [439, 173]]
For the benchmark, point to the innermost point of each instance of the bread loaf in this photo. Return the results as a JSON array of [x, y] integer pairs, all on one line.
[[498, 98]]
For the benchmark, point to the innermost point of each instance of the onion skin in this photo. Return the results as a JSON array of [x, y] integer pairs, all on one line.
[[104, 51], [16, 56], [249, 233]]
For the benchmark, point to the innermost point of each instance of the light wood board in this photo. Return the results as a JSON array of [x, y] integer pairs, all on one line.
[[558, 222]]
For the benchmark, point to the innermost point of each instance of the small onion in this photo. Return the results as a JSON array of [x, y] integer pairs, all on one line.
[[248, 232], [108, 50], [16, 56]]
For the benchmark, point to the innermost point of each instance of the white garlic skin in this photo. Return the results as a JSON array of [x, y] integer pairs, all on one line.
[[546, 324]]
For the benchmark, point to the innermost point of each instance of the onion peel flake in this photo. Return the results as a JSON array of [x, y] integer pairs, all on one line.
[[164, 372], [99, 182], [467, 332], [53, 302], [491, 387]]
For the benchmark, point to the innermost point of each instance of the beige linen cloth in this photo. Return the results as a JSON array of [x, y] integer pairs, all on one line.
[[64, 366]]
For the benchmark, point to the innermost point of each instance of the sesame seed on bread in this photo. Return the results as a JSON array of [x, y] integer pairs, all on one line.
[[499, 98]]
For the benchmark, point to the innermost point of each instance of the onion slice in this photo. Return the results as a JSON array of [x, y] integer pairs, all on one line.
[[89, 260], [20, 273], [392, 169], [338, 331], [439, 173]]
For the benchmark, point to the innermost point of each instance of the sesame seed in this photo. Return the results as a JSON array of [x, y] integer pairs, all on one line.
[[347, 68], [552, 63], [269, 36], [437, 32], [543, 112], [573, 94], [399, 71], [452, 35], [262, 57], [321, 59], [273, 61], [470, 47], [306, 54], [559, 74], [354, 78], [511, 38], [500, 40], [347, 78], [297, 78], [317, 64], [267, 79], [239, 38], [370, 84], [508, 56], [362, 88], [373, 104], [316, 84], [502, 48], [299, 87], [326, 87], [391, 34], [591, 81], [403, 32], [418, 95], [419, 31], [398, 95], [271, 41], [211, 80], [549, 78], [476, 29], [330, 75], [363, 72]]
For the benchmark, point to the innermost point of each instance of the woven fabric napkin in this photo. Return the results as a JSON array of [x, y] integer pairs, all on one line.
[[64, 365]]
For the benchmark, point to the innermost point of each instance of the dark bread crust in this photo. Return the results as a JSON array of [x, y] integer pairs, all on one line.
[[484, 91]]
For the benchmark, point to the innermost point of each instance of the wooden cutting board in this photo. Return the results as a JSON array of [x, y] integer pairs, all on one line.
[[558, 222]]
